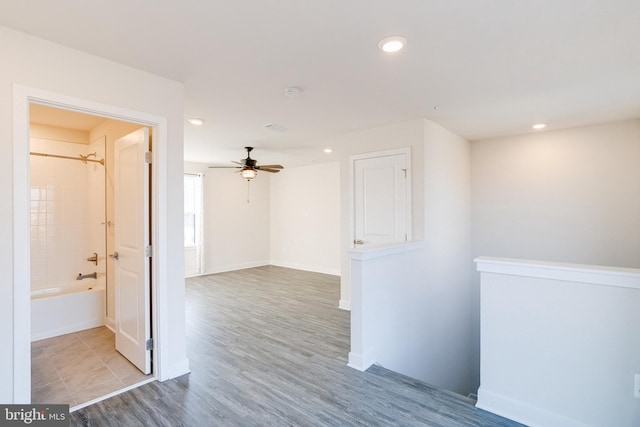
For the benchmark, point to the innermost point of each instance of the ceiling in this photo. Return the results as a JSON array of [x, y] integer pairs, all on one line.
[[481, 68], [42, 115]]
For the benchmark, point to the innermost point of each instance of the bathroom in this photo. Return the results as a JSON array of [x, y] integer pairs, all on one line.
[[71, 238]]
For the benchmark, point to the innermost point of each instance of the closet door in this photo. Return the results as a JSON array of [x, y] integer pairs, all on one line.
[[381, 209]]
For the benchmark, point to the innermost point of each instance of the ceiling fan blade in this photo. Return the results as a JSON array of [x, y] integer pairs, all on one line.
[[270, 166], [250, 164]]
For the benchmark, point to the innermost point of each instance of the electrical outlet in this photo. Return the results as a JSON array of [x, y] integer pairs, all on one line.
[[636, 387]]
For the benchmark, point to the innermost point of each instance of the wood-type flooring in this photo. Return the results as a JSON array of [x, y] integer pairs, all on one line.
[[268, 347]]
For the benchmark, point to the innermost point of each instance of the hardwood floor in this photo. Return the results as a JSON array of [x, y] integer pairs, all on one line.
[[268, 346]]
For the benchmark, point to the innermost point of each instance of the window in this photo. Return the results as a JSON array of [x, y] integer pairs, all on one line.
[[192, 209], [193, 229]]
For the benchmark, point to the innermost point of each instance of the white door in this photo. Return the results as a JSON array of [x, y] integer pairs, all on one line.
[[381, 198], [131, 218]]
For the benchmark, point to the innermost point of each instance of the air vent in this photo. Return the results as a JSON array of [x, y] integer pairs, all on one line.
[[276, 127]]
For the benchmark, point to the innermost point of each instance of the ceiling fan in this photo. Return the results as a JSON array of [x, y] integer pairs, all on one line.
[[249, 167]]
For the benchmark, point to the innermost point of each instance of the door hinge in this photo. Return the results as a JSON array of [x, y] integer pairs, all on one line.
[[406, 237], [405, 173], [148, 251], [148, 157], [149, 345]]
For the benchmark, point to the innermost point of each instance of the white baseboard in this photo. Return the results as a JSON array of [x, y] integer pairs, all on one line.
[[344, 304], [233, 267], [241, 266], [307, 267], [361, 362], [522, 412], [174, 370], [110, 324]]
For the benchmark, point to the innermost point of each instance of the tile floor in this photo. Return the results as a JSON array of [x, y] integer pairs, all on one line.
[[79, 367]]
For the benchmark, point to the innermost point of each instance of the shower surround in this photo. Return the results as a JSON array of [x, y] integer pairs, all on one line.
[[67, 216]]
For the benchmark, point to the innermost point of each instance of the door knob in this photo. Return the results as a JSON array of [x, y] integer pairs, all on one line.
[[114, 255], [358, 242]]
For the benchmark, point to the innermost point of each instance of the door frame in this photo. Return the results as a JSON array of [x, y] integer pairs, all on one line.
[[352, 189], [23, 96]]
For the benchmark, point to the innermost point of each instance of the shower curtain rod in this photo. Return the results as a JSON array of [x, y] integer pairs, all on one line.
[[82, 158]]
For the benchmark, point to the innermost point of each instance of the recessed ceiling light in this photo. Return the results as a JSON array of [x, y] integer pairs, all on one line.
[[328, 150], [539, 126], [392, 43], [196, 121]]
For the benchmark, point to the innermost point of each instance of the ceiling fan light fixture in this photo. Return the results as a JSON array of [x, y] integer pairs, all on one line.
[[249, 174]]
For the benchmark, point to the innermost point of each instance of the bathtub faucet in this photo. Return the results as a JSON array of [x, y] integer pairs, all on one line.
[[81, 276], [93, 259]]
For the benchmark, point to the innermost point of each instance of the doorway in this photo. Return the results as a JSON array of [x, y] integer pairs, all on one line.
[[75, 200], [82, 176], [23, 98]]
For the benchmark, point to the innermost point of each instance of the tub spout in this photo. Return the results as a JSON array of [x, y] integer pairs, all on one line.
[[81, 276]]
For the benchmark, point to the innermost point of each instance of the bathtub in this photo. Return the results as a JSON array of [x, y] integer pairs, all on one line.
[[67, 308]]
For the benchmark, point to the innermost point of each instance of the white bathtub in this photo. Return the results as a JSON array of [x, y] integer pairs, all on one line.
[[68, 308]]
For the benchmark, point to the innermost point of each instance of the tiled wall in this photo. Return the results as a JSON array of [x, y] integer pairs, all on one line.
[[66, 214]]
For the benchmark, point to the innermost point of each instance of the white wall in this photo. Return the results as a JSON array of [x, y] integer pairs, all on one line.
[[448, 264], [409, 133], [292, 219], [236, 233], [305, 218], [569, 195], [45, 66], [560, 343], [421, 300]]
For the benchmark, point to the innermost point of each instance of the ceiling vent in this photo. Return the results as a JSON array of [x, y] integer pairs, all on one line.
[[276, 127]]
